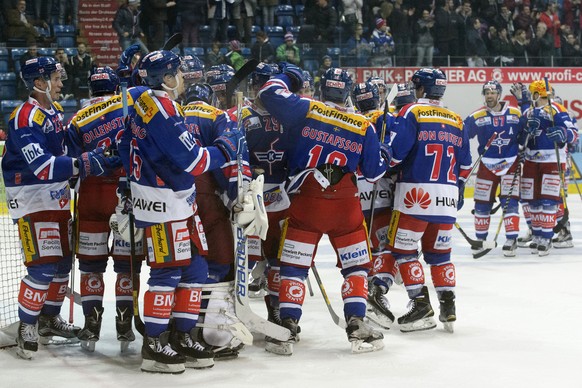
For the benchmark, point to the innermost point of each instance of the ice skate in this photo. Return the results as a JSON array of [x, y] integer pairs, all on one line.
[[447, 306], [378, 309], [159, 356], [284, 348], [125, 333], [420, 316], [363, 337], [55, 326], [27, 341], [564, 239], [89, 335], [197, 357], [258, 287], [523, 242], [544, 246], [533, 246], [509, 247]]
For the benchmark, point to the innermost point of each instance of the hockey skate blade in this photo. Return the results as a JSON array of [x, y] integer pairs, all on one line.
[[151, 366], [24, 354], [88, 345], [379, 319], [199, 363], [420, 325], [124, 346], [241, 332], [449, 327], [360, 346], [58, 341], [280, 348]]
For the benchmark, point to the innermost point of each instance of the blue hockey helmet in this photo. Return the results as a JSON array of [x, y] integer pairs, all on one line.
[[308, 83], [219, 69], [492, 85], [102, 80], [263, 72], [156, 65], [218, 81], [40, 67], [192, 69], [405, 95], [199, 92], [379, 82], [366, 96], [335, 85], [434, 82]]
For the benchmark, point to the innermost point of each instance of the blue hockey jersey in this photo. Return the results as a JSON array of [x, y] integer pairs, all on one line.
[[35, 166]]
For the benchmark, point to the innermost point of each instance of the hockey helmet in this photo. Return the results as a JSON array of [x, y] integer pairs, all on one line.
[[263, 72], [434, 82], [41, 67], [405, 95], [335, 85], [156, 65], [539, 86], [219, 69], [308, 83], [218, 82], [366, 96], [192, 69], [199, 92], [102, 80], [492, 85], [379, 82]]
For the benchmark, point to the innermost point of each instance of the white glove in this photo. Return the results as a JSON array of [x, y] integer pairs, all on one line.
[[253, 216], [119, 223]]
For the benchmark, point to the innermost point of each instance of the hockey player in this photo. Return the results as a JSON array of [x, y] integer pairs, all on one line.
[[267, 140], [165, 158], [551, 129], [381, 84], [381, 276], [327, 143], [97, 125], [432, 151], [499, 165], [36, 173], [308, 88]]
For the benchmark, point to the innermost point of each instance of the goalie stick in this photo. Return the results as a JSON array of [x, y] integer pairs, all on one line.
[[335, 318], [242, 306]]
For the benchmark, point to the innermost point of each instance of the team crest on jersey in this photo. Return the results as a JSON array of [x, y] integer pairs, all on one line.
[[271, 156], [499, 142], [417, 197]]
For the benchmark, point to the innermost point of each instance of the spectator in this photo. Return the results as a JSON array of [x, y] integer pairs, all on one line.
[[126, 24], [62, 58], [19, 26], [502, 52], [550, 18], [520, 48], [465, 12], [243, 13], [218, 16], [325, 22], [352, 15], [234, 56], [268, 7], [32, 52], [81, 65], [155, 13], [504, 19], [424, 39], [68, 12], [215, 57], [571, 53], [444, 32], [383, 45], [542, 46], [358, 48], [476, 48], [524, 20], [193, 15], [401, 27], [325, 66], [457, 36], [288, 51], [262, 49]]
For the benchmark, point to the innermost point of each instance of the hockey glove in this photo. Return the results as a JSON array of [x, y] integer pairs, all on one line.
[[521, 93], [97, 163], [119, 222], [533, 124], [231, 144], [461, 199], [557, 134], [295, 75], [251, 214], [127, 55], [386, 153]]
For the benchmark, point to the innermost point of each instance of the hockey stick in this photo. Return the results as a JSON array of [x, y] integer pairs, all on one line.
[[173, 41], [389, 98], [311, 293], [563, 222], [139, 325], [239, 77], [492, 211], [242, 305], [71, 289], [573, 163], [336, 319]]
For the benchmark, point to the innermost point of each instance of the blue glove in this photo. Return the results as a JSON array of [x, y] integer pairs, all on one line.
[[386, 153], [461, 199], [557, 134], [231, 144], [129, 52], [97, 163], [533, 124], [295, 75]]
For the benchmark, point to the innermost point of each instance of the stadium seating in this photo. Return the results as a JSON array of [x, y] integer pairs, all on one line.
[[70, 108], [65, 35], [285, 14], [204, 35], [196, 51], [7, 107], [4, 60], [276, 35], [7, 86], [46, 52], [16, 53]]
